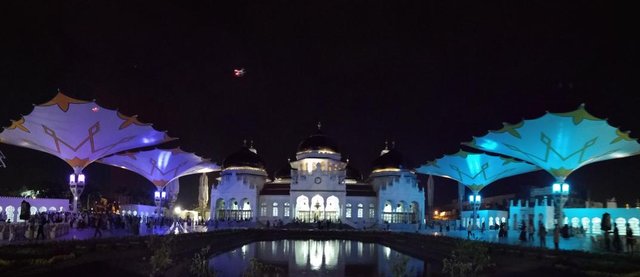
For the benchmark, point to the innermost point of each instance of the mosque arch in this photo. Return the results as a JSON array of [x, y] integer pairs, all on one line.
[[586, 224], [621, 224], [220, 209], [245, 209], [333, 208], [9, 210], [414, 208], [595, 225], [302, 208], [317, 207], [575, 222], [635, 228], [274, 209]]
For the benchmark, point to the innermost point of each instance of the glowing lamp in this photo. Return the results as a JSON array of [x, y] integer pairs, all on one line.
[[177, 210], [565, 188], [156, 194], [72, 178], [556, 188], [471, 198], [478, 198], [81, 178], [164, 194]]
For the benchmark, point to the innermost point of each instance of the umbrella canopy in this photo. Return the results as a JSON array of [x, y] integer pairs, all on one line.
[[560, 143], [475, 171], [161, 166], [79, 132]]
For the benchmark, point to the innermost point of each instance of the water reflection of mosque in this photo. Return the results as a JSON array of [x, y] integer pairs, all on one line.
[[315, 257]]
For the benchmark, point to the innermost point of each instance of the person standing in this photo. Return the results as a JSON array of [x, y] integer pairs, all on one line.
[[556, 238], [469, 228], [617, 242], [542, 234], [42, 222], [630, 239], [531, 231]]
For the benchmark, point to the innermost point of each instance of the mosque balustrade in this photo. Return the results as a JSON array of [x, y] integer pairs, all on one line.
[[233, 214], [399, 217]]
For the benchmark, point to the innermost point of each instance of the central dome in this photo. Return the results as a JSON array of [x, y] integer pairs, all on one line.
[[393, 159], [318, 142], [243, 158]]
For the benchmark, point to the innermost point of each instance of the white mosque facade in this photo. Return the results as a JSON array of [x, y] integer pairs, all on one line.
[[318, 185]]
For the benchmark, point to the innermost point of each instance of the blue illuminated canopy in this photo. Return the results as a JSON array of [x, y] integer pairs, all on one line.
[[475, 171], [560, 143], [161, 166]]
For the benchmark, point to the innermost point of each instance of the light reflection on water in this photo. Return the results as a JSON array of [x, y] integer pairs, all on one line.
[[314, 258]]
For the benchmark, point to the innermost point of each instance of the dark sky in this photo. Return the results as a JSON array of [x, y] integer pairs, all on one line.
[[427, 75]]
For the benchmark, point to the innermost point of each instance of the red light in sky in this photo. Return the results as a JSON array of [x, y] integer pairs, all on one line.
[[238, 72]]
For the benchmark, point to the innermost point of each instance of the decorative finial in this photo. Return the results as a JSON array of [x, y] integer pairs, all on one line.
[[386, 144], [251, 145], [244, 142], [319, 125], [393, 144]]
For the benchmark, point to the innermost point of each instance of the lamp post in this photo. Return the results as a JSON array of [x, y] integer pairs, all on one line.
[[474, 201], [158, 196], [76, 184], [560, 193]]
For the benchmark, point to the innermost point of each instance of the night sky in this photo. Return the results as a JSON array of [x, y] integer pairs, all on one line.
[[427, 75]]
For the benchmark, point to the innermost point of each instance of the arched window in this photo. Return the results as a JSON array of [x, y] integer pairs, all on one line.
[[263, 209], [348, 212], [372, 211], [360, 210], [275, 209], [287, 209]]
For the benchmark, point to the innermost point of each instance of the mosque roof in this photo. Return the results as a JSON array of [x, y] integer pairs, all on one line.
[[243, 158]]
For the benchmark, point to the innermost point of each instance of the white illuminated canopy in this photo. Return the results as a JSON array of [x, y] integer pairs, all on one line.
[[475, 171], [161, 166], [79, 132], [560, 143]]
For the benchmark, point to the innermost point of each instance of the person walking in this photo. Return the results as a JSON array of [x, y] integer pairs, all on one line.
[[542, 234], [97, 225], [556, 238], [469, 228], [630, 239]]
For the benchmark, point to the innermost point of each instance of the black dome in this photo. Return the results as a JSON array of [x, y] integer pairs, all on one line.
[[317, 141], [283, 173], [243, 157], [391, 159], [353, 173]]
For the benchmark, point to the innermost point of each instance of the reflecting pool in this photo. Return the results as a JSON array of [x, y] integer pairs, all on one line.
[[314, 258]]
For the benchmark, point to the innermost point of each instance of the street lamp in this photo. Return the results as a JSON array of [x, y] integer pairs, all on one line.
[[560, 194], [474, 201], [76, 184], [158, 196]]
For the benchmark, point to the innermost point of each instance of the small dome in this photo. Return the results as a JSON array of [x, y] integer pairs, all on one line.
[[243, 158], [283, 173], [317, 142], [353, 173], [392, 159]]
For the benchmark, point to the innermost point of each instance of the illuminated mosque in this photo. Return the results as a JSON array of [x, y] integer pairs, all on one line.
[[318, 185]]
